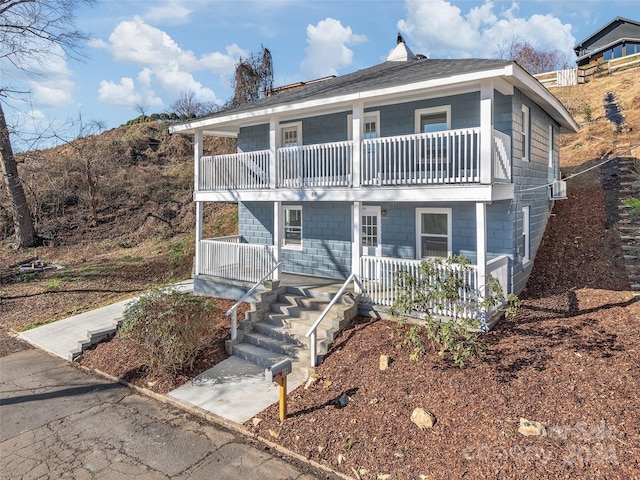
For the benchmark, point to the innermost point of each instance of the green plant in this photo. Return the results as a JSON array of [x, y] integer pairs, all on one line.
[[176, 251], [441, 286], [587, 113], [53, 284], [170, 326], [634, 203]]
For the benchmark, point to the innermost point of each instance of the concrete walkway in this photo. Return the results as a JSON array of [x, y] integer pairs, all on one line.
[[234, 389], [57, 421]]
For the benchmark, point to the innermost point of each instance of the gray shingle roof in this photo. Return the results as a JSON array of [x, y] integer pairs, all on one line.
[[384, 75]]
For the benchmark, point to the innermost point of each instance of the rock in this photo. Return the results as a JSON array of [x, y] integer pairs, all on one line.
[[273, 433], [384, 362], [256, 421], [343, 401], [313, 378], [529, 428], [422, 418]]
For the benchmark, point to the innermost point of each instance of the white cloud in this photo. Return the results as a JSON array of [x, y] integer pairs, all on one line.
[[327, 49], [165, 66], [169, 11], [480, 32]]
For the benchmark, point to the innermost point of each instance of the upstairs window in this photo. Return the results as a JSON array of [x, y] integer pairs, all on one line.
[[437, 119], [290, 135]]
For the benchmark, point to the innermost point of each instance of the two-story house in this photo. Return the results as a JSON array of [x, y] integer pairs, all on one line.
[[370, 172]]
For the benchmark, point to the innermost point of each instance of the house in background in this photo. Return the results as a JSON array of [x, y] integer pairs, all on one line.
[[618, 38], [373, 171]]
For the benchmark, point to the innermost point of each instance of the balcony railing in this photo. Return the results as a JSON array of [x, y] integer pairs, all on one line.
[[449, 157], [320, 165], [238, 171], [234, 259]]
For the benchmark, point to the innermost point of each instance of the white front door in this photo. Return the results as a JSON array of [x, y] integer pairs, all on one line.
[[370, 237]]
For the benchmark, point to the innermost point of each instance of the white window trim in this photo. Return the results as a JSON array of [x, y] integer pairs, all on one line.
[[284, 226], [419, 212], [525, 130], [526, 234], [289, 126], [374, 114], [430, 111]]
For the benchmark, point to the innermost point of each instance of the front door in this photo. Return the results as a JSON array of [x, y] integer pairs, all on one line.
[[370, 237]]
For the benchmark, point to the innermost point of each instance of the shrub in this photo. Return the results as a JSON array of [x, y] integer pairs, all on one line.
[[439, 285], [171, 326]]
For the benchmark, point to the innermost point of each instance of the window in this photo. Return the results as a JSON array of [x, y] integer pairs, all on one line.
[[433, 232], [290, 135], [436, 119], [292, 224], [370, 125], [526, 225], [525, 133]]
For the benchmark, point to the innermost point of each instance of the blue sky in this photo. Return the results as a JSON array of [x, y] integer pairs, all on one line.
[[146, 52]]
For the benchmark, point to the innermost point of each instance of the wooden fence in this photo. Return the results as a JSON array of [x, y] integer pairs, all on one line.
[[579, 75]]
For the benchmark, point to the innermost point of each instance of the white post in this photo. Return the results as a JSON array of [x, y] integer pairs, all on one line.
[[481, 254], [277, 237], [198, 237], [486, 132], [273, 160], [197, 153], [358, 115], [313, 343], [356, 243]]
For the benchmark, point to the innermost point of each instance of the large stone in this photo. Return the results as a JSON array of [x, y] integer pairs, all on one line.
[[423, 418], [530, 428], [384, 362]]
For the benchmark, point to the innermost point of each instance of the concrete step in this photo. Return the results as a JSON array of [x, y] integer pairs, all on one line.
[[258, 355], [93, 337], [288, 347]]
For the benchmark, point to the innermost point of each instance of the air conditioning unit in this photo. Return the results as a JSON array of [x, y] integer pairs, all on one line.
[[558, 190]]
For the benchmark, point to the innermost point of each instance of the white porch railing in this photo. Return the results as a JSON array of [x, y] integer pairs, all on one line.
[[501, 157], [320, 165], [229, 257], [379, 273], [378, 280], [450, 156], [238, 171]]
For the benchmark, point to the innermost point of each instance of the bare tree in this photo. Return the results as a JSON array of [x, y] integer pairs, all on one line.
[[533, 60], [188, 105], [253, 78], [30, 30]]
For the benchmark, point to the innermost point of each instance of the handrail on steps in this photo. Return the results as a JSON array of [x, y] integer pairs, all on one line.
[[234, 310], [312, 333]]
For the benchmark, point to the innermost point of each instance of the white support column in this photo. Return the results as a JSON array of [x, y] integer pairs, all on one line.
[[197, 153], [273, 135], [481, 253], [277, 236], [358, 115], [356, 242], [486, 131], [198, 259]]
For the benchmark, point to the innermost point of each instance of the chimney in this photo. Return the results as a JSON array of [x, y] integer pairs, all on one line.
[[401, 53]]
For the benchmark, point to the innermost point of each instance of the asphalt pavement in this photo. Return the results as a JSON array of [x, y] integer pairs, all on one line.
[[59, 421]]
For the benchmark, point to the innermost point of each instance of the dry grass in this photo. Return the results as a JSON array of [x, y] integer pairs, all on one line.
[[597, 136]]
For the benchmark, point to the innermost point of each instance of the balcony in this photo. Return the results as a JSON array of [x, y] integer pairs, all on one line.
[[442, 158]]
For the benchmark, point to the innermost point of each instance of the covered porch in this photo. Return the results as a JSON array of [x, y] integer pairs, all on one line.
[[237, 259]]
